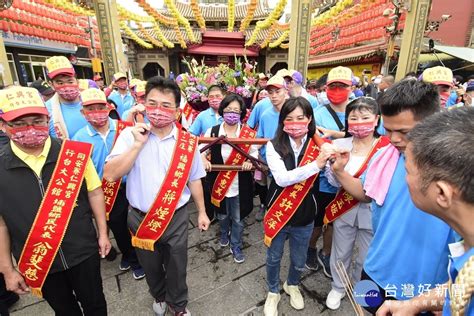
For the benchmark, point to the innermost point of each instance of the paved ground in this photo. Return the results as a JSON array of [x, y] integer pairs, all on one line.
[[217, 285]]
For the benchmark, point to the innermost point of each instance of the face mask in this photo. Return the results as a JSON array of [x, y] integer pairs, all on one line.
[[122, 85], [68, 92], [214, 103], [231, 118], [160, 117], [97, 117], [361, 130], [338, 95], [295, 129], [29, 136], [444, 96]]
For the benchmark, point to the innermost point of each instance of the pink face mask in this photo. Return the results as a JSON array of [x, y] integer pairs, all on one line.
[[68, 92], [444, 96], [29, 136], [160, 117], [361, 130], [295, 129], [214, 103], [97, 117]]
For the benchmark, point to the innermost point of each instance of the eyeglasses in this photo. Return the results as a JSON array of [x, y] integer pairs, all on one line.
[[35, 122]]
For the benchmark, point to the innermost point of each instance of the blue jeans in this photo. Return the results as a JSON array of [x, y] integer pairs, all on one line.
[[232, 218], [299, 242]]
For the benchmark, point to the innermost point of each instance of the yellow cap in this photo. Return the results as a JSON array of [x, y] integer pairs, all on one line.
[[340, 74], [283, 73], [134, 82], [93, 96], [438, 75], [83, 84], [59, 65], [140, 88], [119, 75], [19, 101]]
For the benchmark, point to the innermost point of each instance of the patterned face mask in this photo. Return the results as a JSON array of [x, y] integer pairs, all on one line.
[[29, 136]]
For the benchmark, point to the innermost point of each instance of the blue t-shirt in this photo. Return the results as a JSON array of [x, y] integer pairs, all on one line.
[[455, 265], [409, 247], [257, 111], [205, 120], [267, 127], [324, 119], [124, 103], [72, 116], [102, 146]]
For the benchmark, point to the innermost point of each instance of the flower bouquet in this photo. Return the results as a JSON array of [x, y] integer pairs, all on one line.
[[193, 84]]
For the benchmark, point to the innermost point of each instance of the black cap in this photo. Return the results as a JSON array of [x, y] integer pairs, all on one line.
[[42, 86]]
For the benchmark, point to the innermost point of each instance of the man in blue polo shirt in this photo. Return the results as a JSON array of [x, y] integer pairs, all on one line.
[[210, 117], [65, 106], [409, 249], [121, 97], [439, 176], [100, 132]]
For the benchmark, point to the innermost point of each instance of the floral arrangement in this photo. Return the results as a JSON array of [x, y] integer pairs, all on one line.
[[241, 80]]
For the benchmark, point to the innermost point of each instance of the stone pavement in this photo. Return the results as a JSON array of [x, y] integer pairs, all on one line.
[[217, 285]]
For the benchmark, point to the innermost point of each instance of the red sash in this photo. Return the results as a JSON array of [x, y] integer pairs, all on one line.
[[54, 213], [162, 210], [187, 110], [290, 198], [344, 202], [225, 178], [111, 188]]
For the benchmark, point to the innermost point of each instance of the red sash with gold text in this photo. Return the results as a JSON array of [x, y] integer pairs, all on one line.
[[290, 198], [111, 188], [344, 202], [225, 178], [54, 213], [162, 210]]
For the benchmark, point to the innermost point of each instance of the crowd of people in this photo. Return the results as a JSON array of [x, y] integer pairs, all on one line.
[[381, 170]]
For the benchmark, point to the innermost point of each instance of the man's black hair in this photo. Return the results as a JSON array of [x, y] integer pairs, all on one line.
[[163, 85]]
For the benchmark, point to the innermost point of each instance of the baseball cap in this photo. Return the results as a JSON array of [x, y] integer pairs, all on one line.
[[59, 65], [119, 75], [296, 76], [97, 77], [312, 83], [275, 81], [140, 88], [262, 76], [438, 75], [42, 86], [283, 73], [340, 74], [470, 87], [19, 101], [93, 96], [134, 82]]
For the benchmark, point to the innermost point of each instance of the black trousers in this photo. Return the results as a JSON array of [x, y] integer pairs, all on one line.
[[165, 267], [118, 224], [7, 298], [79, 284]]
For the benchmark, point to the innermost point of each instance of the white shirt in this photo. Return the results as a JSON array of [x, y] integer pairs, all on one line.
[[284, 177], [226, 151], [150, 168], [361, 214]]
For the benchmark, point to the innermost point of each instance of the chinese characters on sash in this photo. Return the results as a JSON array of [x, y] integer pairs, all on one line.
[[162, 210], [225, 178], [111, 188], [49, 227], [344, 202], [286, 204]]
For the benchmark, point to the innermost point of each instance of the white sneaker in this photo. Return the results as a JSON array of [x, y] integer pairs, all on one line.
[[333, 301], [296, 299], [271, 304], [160, 308]]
